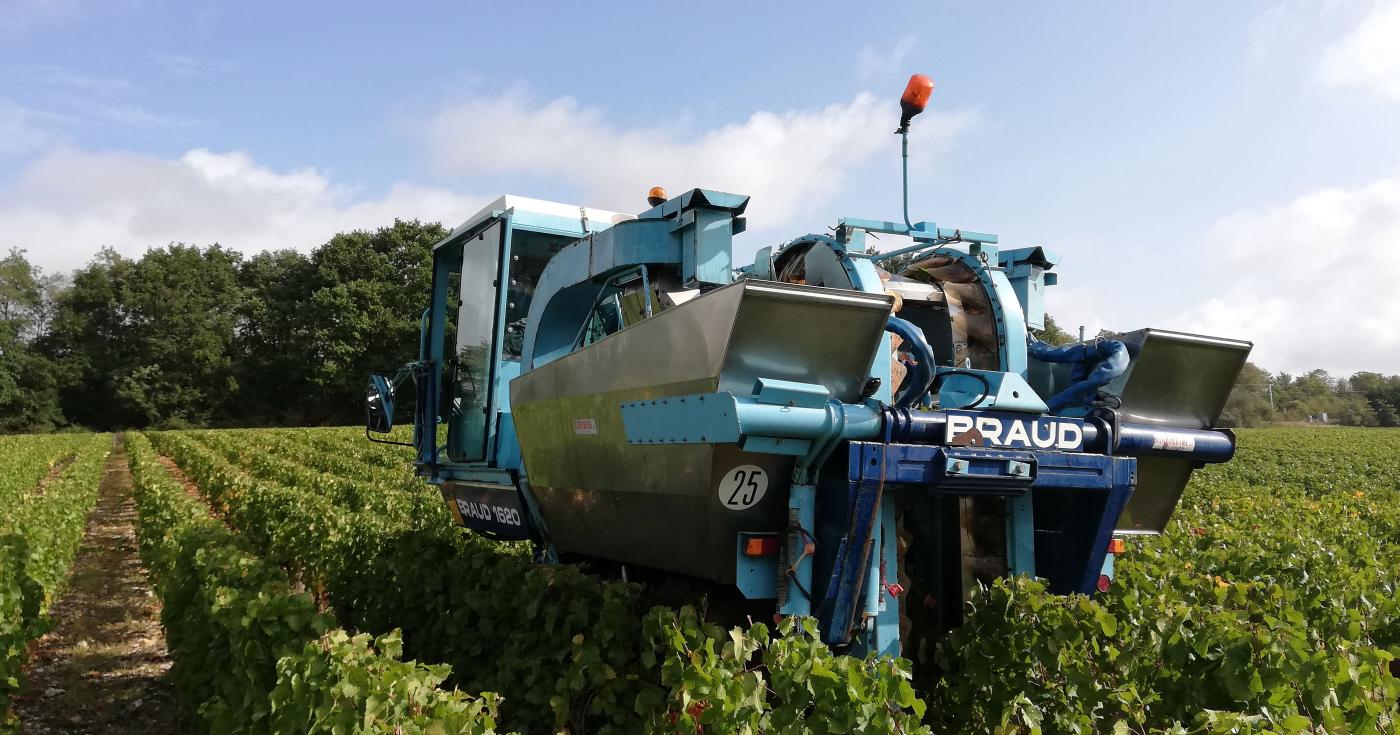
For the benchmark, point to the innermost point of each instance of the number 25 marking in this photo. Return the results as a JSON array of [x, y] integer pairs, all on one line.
[[743, 487]]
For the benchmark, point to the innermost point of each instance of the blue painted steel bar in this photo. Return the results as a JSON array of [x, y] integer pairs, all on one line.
[[873, 589], [1020, 536], [880, 257], [1098, 549], [849, 574], [904, 170], [1078, 499], [1140, 440], [1061, 471], [886, 623], [926, 231], [723, 418], [944, 470], [430, 363], [927, 466], [917, 427], [802, 514]]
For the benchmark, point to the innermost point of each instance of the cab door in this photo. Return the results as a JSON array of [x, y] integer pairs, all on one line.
[[472, 364]]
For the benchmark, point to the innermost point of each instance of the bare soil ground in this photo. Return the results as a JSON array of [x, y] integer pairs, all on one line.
[[102, 669]]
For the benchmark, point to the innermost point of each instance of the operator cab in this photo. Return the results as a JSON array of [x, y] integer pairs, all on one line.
[[479, 343]]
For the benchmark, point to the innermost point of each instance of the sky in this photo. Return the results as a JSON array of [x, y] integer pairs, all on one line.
[[1220, 168]]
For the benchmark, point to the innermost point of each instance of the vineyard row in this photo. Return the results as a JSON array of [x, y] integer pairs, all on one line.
[[48, 485]]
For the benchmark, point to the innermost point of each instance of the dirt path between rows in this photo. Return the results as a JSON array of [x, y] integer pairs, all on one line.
[[54, 471], [102, 669]]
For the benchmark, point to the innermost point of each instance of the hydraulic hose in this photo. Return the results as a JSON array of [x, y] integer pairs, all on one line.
[[1096, 364], [920, 377]]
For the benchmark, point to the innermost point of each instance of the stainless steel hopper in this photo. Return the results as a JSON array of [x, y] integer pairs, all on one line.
[[590, 482]]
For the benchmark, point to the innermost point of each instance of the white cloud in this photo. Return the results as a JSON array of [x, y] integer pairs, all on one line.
[[790, 162], [1311, 283], [874, 62], [19, 134], [1368, 56], [67, 204]]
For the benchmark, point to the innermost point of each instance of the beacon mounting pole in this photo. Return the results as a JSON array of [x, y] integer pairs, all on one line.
[[913, 102]]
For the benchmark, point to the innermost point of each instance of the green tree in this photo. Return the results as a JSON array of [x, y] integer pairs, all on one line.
[[21, 289], [28, 379], [148, 342], [1248, 404], [1381, 392], [194, 336], [272, 342], [90, 340], [1052, 334], [1354, 410], [363, 314]]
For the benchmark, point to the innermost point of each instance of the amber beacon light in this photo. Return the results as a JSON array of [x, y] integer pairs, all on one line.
[[916, 96]]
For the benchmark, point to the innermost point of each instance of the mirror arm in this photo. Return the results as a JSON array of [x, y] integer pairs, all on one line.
[[404, 373], [385, 441]]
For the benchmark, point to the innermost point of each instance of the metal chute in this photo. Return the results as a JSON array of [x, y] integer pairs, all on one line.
[[1173, 380]]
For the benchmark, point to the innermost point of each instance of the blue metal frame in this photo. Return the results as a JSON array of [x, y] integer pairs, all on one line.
[[1090, 489]]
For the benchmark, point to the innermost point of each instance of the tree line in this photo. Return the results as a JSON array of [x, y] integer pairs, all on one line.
[[1363, 399], [205, 336]]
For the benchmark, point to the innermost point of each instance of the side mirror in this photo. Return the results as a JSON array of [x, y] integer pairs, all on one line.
[[379, 404]]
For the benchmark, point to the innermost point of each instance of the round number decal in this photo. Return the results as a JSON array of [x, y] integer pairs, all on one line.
[[742, 487]]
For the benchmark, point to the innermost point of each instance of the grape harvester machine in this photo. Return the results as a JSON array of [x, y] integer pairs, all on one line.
[[811, 432]]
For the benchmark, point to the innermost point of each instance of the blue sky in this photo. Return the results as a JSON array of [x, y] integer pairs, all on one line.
[[1229, 168]]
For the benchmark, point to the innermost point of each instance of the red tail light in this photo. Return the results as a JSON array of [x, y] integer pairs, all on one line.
[[761, 546]]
